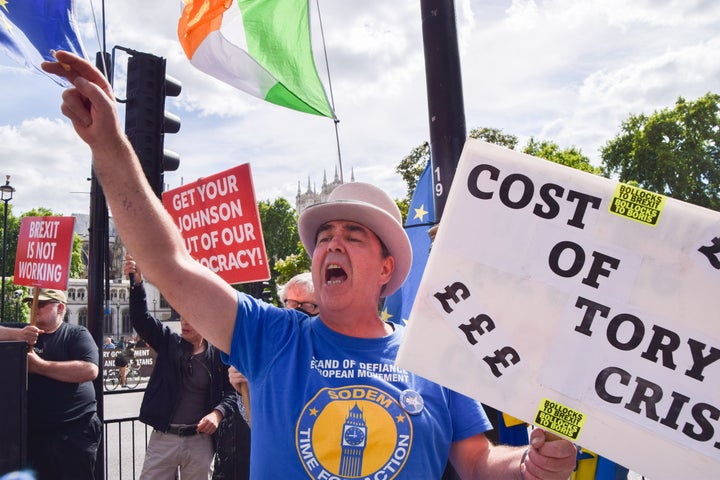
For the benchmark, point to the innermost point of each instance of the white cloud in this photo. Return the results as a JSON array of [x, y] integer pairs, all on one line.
[[561, 70]]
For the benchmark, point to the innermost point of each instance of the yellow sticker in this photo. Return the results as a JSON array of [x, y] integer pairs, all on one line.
[[559, 419], [637, 204]]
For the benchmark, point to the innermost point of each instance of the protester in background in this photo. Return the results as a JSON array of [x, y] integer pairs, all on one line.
[[299, 293], [187, 396], [63, 428], [123, 359], [232, 458], [109, 345], [304, 371], [233, 453]]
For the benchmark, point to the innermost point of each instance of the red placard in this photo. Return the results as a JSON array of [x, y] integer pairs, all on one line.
[[219, 220], [44, 252]]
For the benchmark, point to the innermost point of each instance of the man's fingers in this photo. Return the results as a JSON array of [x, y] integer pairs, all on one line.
[[76, 107], [71, 66], [554, 445]]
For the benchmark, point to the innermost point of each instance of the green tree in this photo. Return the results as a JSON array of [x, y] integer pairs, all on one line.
[[674, 152], [13, 231], [77, 269], [411, 167], [279, 225], [570, 157], [494, 135], [295, 263]]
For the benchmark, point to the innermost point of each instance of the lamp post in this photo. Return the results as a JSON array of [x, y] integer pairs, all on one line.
[[154, 309], [119, 326], [16, 295], [6, 194]]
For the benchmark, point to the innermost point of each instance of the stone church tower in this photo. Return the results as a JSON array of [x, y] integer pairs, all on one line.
[[311, 196]]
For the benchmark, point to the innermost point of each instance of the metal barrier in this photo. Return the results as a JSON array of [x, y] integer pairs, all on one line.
[[125, 444]]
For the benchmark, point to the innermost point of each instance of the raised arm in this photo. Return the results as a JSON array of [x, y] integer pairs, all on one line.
[[144, 226]]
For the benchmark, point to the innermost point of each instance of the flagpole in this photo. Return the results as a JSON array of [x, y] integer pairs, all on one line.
[[446, 109], [332, 98], [97, 255]]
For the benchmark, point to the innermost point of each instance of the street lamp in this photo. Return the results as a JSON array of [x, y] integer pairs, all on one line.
[[119, 326], [16, 295], [154, 309], [6, 194]]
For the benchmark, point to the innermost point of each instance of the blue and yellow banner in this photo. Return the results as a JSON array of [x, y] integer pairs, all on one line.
[[30, 29], [420, 218]]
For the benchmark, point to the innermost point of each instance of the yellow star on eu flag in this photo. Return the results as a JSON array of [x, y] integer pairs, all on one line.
[[420, 213]]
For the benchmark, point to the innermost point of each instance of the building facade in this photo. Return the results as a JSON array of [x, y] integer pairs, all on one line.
[[312, 195], [116, 319]]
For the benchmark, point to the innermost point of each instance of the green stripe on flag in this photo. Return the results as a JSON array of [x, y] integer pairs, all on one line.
[[277, 34]]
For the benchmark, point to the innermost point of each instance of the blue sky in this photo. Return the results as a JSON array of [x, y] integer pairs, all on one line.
[[568, 71]]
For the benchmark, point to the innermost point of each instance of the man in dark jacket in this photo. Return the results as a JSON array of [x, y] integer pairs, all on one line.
[[187, 396]]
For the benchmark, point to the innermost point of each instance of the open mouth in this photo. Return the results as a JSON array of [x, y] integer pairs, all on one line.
[[334, 274]]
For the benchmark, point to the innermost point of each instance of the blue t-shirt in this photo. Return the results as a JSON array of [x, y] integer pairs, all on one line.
[[329, 406]]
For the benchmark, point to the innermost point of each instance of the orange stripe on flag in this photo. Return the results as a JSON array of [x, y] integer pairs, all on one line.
[[199, 19]]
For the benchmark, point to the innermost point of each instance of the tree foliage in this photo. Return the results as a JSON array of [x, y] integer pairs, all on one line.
[[282, 244], [279, 224], [674, 152], [77, 268], [494, 135], [295, 263], [570, 157], [13, 231], [411, 167]]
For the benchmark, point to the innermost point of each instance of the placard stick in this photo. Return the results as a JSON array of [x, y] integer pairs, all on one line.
[[33, 310]]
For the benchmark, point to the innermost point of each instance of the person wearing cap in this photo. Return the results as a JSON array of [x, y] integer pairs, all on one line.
[[328, 400], [63, 428], [299, 293]]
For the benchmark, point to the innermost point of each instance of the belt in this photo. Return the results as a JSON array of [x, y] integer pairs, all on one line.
[[182, 430]]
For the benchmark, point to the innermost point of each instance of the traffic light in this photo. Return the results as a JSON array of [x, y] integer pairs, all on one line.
[[146, 121]]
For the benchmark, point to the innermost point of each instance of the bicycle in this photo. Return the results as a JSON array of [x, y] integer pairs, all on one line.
[[132, 378]]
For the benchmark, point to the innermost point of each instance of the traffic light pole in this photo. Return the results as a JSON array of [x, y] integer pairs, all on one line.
[[97, 254], [146, 120], [446, 108]]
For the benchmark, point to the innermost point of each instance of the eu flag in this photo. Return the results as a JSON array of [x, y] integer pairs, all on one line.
[[420, 217], [29, 29]]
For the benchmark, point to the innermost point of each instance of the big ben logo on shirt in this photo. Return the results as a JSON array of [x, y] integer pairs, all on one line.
[[353, 432]]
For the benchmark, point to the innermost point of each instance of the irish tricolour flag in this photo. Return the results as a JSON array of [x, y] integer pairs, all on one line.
[[278, 65]]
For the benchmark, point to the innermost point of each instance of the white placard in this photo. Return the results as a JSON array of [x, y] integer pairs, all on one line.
[[577, 303]]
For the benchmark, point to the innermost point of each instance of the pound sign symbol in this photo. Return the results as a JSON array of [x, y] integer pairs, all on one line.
[[501, 357], [451, 293], [481, 324], [712, 252]]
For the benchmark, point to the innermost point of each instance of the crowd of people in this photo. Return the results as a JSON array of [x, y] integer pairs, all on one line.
[[321, 408]]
